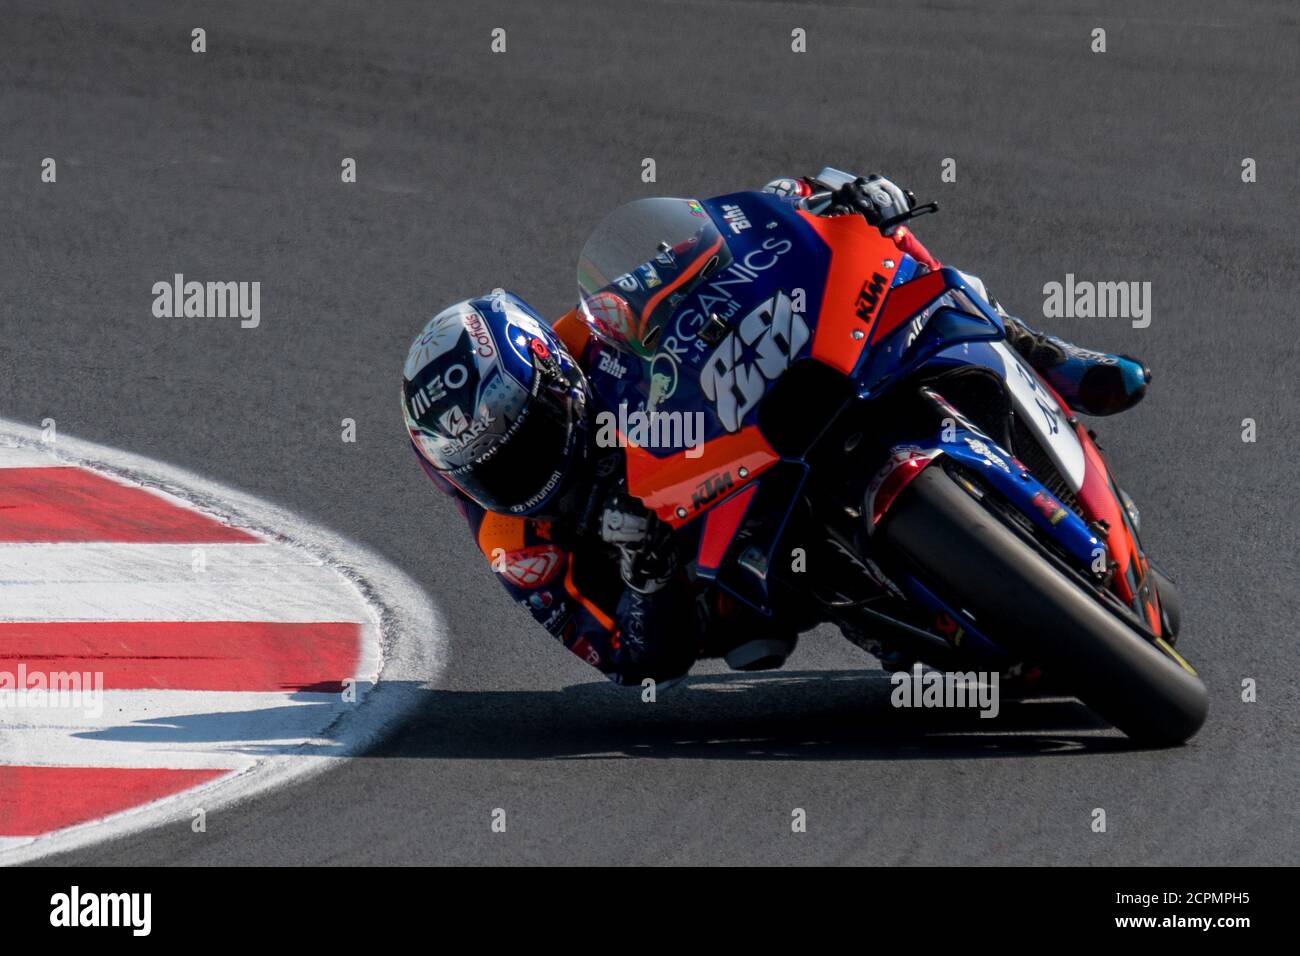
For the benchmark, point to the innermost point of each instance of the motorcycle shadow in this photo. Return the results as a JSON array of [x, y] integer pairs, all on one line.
[[800, 715]]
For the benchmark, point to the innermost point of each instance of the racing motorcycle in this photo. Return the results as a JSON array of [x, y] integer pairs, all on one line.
[[874, 452]]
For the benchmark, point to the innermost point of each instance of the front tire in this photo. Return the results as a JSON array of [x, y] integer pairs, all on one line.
[[1036, 612], [1171, 603]]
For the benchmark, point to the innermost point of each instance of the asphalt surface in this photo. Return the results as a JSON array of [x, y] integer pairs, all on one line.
[[477, 170]]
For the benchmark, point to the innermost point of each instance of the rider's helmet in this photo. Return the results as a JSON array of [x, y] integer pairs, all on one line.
[[640, 264], [495, 404]]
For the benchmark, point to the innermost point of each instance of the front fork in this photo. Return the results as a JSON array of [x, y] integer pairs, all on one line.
[[1100, 545]]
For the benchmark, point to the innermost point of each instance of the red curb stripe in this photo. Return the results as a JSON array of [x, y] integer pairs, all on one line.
[[36, 800], [73, 504], [189, 655]]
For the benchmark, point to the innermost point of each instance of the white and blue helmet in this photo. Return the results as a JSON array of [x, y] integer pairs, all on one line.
[[495, 404]]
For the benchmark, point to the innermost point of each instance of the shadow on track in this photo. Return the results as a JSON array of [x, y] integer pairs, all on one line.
[[800, 715]]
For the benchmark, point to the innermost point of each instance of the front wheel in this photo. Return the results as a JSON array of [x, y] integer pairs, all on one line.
[[1171, 603], [1036, 612]]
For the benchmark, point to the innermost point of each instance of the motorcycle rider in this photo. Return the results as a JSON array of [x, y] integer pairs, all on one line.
[[499, 412]]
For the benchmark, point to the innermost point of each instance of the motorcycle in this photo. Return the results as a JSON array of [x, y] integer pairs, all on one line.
[[874, 453]]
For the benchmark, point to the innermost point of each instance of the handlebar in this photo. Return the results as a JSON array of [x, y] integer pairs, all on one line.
[[912, 213], [851, 196]]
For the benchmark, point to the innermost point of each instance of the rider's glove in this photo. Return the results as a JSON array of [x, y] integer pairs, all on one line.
[[883, 200], [875, 197], [647, 556]]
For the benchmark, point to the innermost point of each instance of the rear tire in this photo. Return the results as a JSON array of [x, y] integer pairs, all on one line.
[[1036, 612]]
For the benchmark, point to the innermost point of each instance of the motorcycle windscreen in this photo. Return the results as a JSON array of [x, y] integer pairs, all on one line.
[[640, 264]]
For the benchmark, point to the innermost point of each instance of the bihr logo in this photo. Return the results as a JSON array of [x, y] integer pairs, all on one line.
[[735, 217], [608, 363]]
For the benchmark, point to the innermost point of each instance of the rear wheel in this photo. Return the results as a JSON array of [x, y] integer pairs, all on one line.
[[1036, 612]]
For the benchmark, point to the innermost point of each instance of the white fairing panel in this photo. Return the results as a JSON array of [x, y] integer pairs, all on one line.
[[1041, 412]]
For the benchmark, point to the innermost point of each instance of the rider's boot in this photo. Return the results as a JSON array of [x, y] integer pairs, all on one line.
[[1096, 383], [743, 638]]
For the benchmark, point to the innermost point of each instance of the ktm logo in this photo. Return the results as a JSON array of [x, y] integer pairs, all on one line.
[[710, 488], [869, 297]]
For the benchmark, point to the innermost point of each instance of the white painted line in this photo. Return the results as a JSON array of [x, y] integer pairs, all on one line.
[[25, 456], [169, 728], [254, 599], [158, 582], [173, 563], [405, 645]]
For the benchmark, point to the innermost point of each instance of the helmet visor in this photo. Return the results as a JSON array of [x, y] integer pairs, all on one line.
[[526, 468]]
